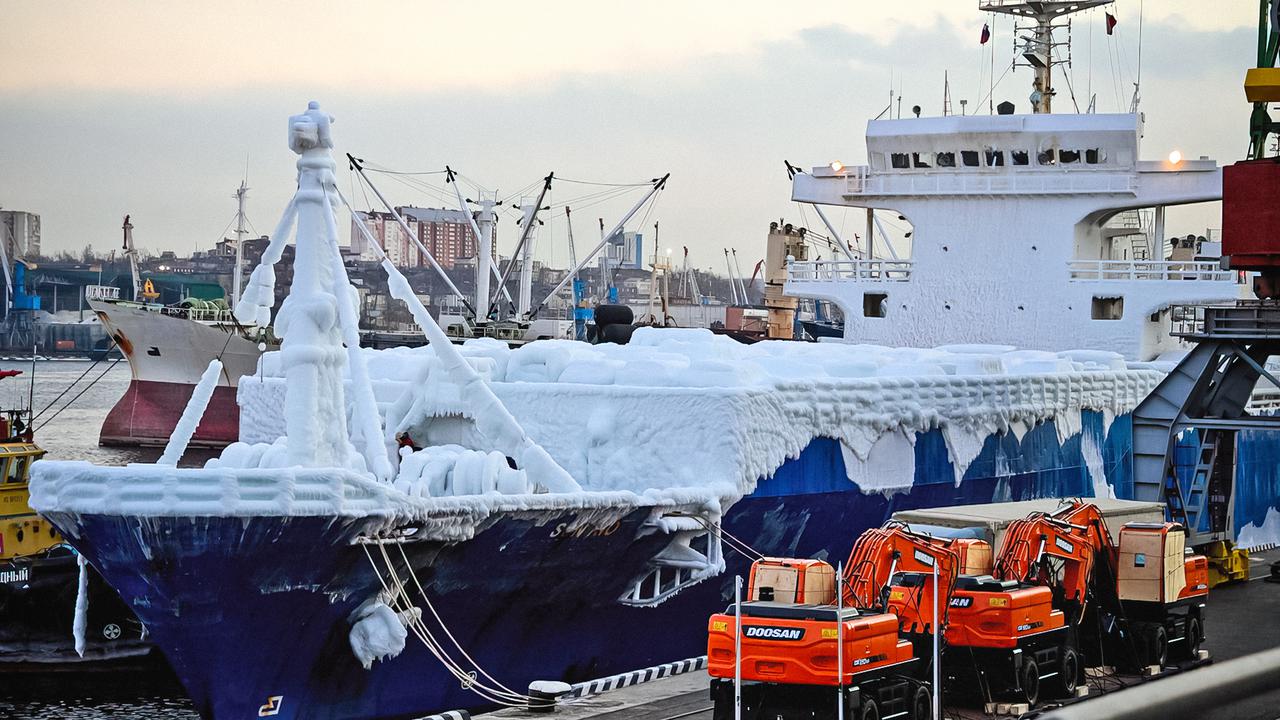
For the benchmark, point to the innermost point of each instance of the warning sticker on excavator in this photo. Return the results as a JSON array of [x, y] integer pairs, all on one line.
[[719, 626], [924, 558], [897, 595], [998, 602], [830, 633]]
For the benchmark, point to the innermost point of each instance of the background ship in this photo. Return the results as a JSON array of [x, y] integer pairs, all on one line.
[[168, 347]]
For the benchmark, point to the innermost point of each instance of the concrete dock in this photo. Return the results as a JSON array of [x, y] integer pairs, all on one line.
[[1241, 619]]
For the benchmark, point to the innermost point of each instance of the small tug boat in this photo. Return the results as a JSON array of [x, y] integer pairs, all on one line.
[[39, 575]]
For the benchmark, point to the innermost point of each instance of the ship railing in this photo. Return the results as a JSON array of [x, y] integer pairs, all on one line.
[[1140, 270], [861, 181], [849, 270], [1244, 320], [199, 314], [102, 293]]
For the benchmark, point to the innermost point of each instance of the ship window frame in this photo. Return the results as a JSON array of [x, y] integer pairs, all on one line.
[[927, 163], [15, 470], [1099, 156], [1106, 308], [970, 158], [1070, 157], [993, 158], [875, 304], [1047, 157], [900, 161], [1020, 158], [945, 159]]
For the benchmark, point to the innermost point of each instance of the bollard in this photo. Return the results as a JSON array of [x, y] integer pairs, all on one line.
[[543, 695]]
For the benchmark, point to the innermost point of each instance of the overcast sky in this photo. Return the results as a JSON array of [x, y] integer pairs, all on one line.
[[157, 108]]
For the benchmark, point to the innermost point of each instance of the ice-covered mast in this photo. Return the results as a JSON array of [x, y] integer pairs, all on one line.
[[317, 323]]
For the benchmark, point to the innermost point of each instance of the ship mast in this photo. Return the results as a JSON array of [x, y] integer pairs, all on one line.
[[240, 231], [1038, 46]]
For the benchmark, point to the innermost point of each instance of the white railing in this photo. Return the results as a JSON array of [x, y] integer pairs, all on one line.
[[1003, 181], [1137, 270], [102, 293], [849, 270]]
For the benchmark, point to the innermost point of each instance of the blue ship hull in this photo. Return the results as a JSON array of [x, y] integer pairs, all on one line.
[[252, 608]]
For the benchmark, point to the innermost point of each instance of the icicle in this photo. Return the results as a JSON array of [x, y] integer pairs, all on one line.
[[366, 423], [254, 307], [82, 606], [191, 415]]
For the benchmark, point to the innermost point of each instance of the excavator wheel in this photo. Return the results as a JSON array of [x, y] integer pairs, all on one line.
[[1194, 636], [921, 704], [1029, 682], [1158, 645], [1068, 673]]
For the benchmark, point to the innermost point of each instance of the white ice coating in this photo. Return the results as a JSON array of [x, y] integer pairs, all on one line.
[[1265, 535], [318, 324], [191, 415], [686, 408], [377, 633], [81, 619]]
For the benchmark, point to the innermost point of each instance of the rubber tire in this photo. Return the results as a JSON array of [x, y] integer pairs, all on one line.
[[1029, 682], [1158, 645], [1068, 673], [607, 314], [921, 704], [870, 711], [620, 334], [1194, 637]]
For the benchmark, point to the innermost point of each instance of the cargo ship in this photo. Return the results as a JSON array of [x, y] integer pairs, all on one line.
[[168, 347], [406, 531]]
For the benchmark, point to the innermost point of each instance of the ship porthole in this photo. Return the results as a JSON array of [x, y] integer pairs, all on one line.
[[19, 535]]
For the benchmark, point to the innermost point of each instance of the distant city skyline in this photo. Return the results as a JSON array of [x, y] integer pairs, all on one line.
[[158, 110]]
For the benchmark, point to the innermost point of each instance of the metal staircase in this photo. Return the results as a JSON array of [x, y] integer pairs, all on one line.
[[1206, 394]]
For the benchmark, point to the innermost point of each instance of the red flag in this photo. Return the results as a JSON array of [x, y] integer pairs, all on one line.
[[1111, 24], [986, 34]]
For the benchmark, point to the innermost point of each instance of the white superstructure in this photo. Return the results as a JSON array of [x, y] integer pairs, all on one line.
[[1023, 234]]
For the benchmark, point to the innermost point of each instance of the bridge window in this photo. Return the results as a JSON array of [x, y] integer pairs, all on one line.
[[995, 158], [874, 305], [899, 161], [1095, 156], [969, 158], [1067, 157], [1105, 308], [1019, 157], [1047, 157], [946, 159], [17, 470], [922, 160]]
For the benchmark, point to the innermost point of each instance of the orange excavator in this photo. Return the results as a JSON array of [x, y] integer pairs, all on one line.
[[1061, 595], [1127, 602], [794, 632]]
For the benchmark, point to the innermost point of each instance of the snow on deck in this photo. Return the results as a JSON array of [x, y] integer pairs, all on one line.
[[687, 408]]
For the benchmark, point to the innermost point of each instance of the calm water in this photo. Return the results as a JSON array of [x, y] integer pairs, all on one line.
[[146, 692]]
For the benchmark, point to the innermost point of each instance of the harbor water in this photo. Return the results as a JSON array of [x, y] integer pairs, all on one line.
[[67, 427]]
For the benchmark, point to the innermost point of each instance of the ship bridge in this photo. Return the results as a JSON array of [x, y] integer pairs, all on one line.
[[1024, 233]]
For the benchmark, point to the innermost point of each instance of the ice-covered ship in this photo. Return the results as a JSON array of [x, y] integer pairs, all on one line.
[[412, 530]]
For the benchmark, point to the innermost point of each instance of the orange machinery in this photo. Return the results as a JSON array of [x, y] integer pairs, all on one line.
[[794, 635], [1145, 583]]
